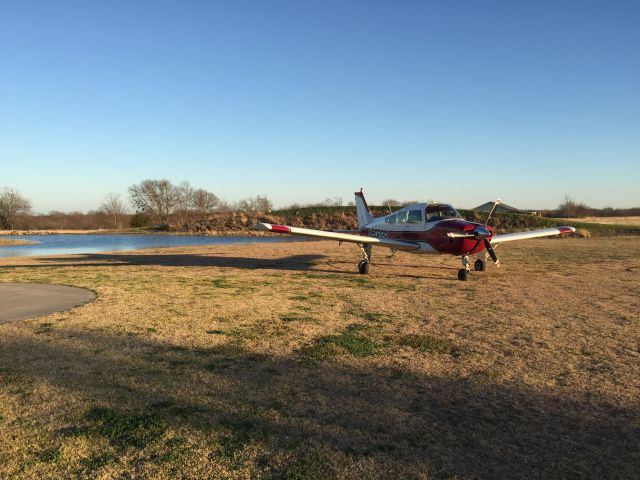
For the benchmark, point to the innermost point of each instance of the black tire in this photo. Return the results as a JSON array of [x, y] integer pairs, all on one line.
[[463, 274], [363, 267], [479, 265]]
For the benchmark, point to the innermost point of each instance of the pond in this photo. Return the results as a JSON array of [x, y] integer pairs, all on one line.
[[63, 244]]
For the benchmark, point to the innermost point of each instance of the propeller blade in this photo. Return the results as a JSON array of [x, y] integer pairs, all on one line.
[[492, 254]]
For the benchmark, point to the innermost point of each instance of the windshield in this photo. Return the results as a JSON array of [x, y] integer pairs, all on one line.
[[439, 212]]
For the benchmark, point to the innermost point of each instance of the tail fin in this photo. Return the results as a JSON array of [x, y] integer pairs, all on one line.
[[362, 210]]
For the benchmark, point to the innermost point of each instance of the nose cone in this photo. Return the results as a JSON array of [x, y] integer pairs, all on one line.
[[481, 233]]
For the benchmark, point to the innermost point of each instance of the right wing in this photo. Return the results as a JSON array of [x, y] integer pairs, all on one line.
[[545, 232], [341, 237]]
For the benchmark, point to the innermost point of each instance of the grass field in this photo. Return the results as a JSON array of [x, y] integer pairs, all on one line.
[[277, 361], [632, 221]]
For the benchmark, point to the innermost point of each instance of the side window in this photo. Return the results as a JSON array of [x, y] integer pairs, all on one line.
[[415, 216], [390, 218], [432, 213], [401, 216]]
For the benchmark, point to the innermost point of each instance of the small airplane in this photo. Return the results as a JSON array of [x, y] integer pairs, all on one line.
[[422, 228]]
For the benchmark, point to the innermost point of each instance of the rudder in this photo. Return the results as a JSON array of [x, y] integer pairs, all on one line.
[[362, 210]]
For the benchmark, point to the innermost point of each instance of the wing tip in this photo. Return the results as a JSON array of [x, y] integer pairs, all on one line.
[[268, 227]]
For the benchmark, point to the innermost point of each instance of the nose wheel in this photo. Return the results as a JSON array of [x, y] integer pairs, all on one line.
[[480, 265], [463, 273]]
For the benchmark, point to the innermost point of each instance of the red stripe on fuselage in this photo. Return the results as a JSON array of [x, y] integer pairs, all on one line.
[[438, 239]]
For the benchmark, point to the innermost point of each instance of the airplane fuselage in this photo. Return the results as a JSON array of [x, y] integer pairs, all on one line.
[[429, 225]]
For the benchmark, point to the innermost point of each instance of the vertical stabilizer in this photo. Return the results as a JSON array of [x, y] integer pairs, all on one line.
[[362, 210]]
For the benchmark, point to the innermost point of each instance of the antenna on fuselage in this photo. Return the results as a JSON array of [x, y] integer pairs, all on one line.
[[495, 205]]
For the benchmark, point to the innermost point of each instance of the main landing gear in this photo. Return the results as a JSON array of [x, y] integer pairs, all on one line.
[[363, 266], [480, 265]]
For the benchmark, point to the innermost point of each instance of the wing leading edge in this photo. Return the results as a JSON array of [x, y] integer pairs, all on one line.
[[545, 232], [341, 237]]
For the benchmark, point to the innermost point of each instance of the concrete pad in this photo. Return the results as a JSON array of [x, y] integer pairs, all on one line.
[[25, 300]]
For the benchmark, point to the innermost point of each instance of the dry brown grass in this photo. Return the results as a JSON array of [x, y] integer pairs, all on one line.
[[10, 242], [277, 361]]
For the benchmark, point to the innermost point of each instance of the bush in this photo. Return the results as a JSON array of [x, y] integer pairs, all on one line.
[[139, 220]]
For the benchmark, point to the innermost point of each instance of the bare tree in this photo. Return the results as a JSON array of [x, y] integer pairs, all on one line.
[[155, 197], [205, 203], [258, 204], [571, 208], [185, 200], [115, 209], [12, 205]]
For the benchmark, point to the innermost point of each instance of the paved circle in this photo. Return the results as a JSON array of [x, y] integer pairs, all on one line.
[[25, 300]]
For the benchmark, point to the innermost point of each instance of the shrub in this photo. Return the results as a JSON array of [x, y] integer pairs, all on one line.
[[139, 220]]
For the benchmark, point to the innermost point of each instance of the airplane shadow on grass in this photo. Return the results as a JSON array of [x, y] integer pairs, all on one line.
[[324, 416], [295, 262], [308, 262]]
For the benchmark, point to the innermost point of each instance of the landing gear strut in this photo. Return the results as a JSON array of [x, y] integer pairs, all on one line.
[[463, 273], [363, 266]]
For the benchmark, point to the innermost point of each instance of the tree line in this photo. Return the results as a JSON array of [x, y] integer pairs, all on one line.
[[180, 207], [151, 202]]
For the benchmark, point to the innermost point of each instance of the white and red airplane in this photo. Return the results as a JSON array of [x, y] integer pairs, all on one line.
[[422, 228]]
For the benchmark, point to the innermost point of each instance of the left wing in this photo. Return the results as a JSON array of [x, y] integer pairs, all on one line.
[[341, 237], [545, 232]]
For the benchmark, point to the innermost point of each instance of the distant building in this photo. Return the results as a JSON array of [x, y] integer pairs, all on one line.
[[502, 208]]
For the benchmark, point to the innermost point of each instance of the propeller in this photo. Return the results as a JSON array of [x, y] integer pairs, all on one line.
[[492, 254], [481, 234]]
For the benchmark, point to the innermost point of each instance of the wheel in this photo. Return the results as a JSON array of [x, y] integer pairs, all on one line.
[[463, 274], [363, 267], [479, 265]]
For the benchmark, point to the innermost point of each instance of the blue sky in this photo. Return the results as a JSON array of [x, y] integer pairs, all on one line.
[[300, 101]]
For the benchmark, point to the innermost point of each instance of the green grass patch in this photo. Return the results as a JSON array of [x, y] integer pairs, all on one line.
[[428, 344], [299, 298], [123, 429], [46, 327], [50, 455], [351, 341], [219, 283], [293, 317], [375, 317], [215, 332], [96, 461]]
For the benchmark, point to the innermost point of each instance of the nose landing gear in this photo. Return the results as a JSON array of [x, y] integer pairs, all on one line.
[[463, 273]]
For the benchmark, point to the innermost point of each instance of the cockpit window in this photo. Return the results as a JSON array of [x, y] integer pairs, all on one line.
[[438, 212], [401, 216], [415, 216]]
